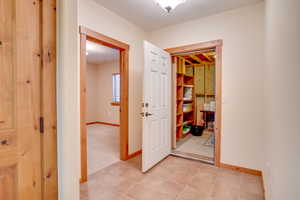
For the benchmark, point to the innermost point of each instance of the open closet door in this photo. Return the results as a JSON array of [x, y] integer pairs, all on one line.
[[156, 106]]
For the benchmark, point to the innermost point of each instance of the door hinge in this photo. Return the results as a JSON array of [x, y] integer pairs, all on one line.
[[145, 105], [41, 124]]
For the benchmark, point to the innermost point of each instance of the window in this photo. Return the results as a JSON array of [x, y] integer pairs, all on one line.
[[116, 89]]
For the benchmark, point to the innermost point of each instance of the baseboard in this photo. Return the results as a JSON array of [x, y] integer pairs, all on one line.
[[134, 154], [242, 169], [104, 123]]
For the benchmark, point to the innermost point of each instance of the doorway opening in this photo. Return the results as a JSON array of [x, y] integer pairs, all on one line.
[[196, 86], [102, 106], [195, 105], [103, 101]]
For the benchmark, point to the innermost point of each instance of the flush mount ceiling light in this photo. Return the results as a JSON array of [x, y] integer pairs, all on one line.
[[169, 5]]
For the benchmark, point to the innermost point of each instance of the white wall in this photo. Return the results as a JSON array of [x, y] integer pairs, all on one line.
[[99, 93], [100, 19], [281, 174], [242, 32], [68, 126]]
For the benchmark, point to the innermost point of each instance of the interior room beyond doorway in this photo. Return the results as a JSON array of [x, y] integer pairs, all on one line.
[[195, 104], [102, 106], [197, 94], [116, 96]]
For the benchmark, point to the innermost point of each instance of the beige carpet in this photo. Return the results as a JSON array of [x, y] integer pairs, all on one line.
[[103, 146], [195, 145]]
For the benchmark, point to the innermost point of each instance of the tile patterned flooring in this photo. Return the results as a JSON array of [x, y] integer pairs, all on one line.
[[172, 179]]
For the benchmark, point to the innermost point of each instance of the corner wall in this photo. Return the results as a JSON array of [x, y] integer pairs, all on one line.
[[282, 100], [101, 20], [68, 119], [242, 32]]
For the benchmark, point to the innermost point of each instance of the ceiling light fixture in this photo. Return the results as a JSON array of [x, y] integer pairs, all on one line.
[[169, 5]]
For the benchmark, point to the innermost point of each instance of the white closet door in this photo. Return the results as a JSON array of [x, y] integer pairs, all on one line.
[[157, 106]]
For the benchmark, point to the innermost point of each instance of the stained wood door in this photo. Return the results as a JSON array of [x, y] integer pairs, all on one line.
[[22, 150], [157, 106]]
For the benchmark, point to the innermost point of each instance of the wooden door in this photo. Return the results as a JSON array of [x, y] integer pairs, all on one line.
[[157, 106], [22, 148]]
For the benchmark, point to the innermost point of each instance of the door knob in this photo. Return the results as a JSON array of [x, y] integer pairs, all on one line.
[[148, 114]]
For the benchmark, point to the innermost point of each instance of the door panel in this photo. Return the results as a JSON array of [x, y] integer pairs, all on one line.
[[157, 96], [6, 81], [8, 183], [20, 100]]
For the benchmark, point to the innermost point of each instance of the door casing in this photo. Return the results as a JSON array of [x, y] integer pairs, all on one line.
[[217, 45], [88, 34]]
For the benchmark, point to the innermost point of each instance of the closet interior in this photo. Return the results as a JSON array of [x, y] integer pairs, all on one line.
[[195, 104]]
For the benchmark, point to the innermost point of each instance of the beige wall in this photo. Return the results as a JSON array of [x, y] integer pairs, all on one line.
[[282, 164], [68, 117], [243, 76], [242, 31], [99, 93], [99, 19]]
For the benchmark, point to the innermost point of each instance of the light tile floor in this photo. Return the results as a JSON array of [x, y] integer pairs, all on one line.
[[103, 146], [172, 179]]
